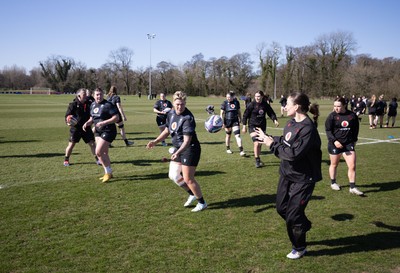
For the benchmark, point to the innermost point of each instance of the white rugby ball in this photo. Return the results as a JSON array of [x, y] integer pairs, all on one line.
[[213, 124], [166, 110], [71, 120]]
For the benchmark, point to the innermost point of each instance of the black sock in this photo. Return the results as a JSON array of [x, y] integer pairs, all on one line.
[[201, 200], [333, 181], [241, 149], [257, 159], [352, 185], [190, 192], [66, 158], [228, 147]]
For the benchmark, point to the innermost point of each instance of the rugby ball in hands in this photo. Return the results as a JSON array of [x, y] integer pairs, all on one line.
[[213, 124], [166, 110], [71, 120]]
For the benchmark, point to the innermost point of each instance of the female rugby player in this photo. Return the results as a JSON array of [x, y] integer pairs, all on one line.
[[104, 115], [231, 115], [342, 128], [255, 115], [181, 126], [300, 152]]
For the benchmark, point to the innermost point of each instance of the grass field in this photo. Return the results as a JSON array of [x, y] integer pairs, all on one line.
[[62, 219]]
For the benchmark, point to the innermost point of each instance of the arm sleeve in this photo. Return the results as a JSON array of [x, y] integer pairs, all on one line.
[[70, 110], [271, 112], [246, 113], [329, 128]]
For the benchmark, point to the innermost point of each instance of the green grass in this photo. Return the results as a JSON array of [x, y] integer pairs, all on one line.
[[58, 219]]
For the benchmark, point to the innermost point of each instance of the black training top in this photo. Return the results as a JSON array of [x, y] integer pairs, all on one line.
[[114, 99], [180, 125], [300, 151], [103, 111], [160, 105], [255, 113], [80, 110], [231, 109], [342, 127]]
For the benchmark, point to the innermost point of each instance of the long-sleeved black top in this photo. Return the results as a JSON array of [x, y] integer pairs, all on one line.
[[300, 151]]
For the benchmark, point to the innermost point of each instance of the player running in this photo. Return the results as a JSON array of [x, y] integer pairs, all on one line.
[[104, 115], [255, 116], [113, 97]]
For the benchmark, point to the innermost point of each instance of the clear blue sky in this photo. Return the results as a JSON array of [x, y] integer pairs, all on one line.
[[88, 30]]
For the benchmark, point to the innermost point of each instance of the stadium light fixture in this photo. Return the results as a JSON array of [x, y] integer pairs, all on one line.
[[150, 37], [276, 52]]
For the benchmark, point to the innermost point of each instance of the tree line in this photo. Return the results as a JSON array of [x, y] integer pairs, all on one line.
[[325, 68]]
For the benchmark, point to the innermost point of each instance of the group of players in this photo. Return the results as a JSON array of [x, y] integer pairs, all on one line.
[[299, 149], [377, 109], [104, 114]]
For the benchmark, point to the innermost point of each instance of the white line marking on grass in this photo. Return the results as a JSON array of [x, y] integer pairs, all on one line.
[[375, 141]]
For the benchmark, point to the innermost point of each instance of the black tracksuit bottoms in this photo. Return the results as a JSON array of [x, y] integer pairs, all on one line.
[[291, 201]]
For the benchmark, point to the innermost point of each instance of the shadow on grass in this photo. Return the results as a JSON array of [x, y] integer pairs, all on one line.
[[44, 155], [386, 186], [212, 143], [251, 201], [142, 162], [18, 141], [257, 200], [138, 133], [164, 175], [360, 243]]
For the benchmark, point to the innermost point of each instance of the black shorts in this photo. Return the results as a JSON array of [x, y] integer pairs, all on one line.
[[332, 150], [229, 123], [108, 136], [75, 135], [161, 120], [252, 128], [191, 156]]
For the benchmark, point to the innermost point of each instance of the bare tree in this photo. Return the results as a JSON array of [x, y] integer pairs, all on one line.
[[121, 62]]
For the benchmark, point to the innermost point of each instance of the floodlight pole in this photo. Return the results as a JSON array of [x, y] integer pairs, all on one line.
[[276, 51], [150, 37]]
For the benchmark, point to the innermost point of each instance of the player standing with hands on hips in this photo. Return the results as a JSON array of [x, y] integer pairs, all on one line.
[[104, 115], [300, 152], [181, 126]]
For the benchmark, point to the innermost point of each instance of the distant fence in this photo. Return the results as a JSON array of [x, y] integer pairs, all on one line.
[[32, 91]]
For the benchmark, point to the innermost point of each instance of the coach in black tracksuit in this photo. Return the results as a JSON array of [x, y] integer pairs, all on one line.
[[80, 109], [300, 152]]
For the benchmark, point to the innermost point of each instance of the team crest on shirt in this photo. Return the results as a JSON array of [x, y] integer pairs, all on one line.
[[165, 104], [96, 110], [288, 136], [174, 125], [345, 124], [261, 112], [232, 106]]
